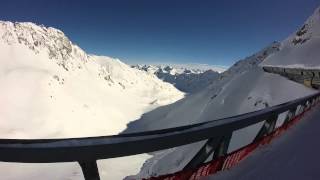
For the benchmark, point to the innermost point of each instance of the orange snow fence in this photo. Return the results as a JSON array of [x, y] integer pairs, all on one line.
[[229, 160]]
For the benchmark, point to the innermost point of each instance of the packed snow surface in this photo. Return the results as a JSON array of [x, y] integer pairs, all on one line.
[[294, 155], [50, 88], [301, 49]]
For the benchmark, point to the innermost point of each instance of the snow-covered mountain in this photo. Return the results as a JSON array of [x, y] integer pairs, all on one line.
[[68, 86], [243, 88], [51, 88], [185, 78], [301, 49]]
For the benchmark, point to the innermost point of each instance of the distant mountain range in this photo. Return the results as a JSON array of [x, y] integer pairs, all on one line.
[[188, 78]]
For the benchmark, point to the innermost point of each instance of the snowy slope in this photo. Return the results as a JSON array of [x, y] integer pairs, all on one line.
[[301, 49], [186, 79], [50, 88], [242, 88]]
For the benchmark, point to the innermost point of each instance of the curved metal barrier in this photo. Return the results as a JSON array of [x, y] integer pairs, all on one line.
[[87, 150]]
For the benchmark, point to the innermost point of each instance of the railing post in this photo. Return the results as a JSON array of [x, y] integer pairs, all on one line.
[[90, 170], [268, 126], [211, 146], [222, 148], [301, 109], [290, 115], [308, 104]]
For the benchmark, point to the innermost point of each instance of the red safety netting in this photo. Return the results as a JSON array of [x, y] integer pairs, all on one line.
[[231, 159]]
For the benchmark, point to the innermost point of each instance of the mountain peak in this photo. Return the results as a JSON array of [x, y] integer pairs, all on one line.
[[38, 38]]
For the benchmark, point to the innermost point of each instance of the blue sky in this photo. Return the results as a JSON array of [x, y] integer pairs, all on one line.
[[217, 32]]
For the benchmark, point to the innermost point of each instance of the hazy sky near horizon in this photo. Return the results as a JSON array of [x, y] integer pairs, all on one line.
[[216, 32]]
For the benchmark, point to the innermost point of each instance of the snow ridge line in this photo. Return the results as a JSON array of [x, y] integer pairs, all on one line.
[[231, 159]]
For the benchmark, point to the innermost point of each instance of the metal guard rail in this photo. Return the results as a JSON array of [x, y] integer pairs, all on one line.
[[87, 150]]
